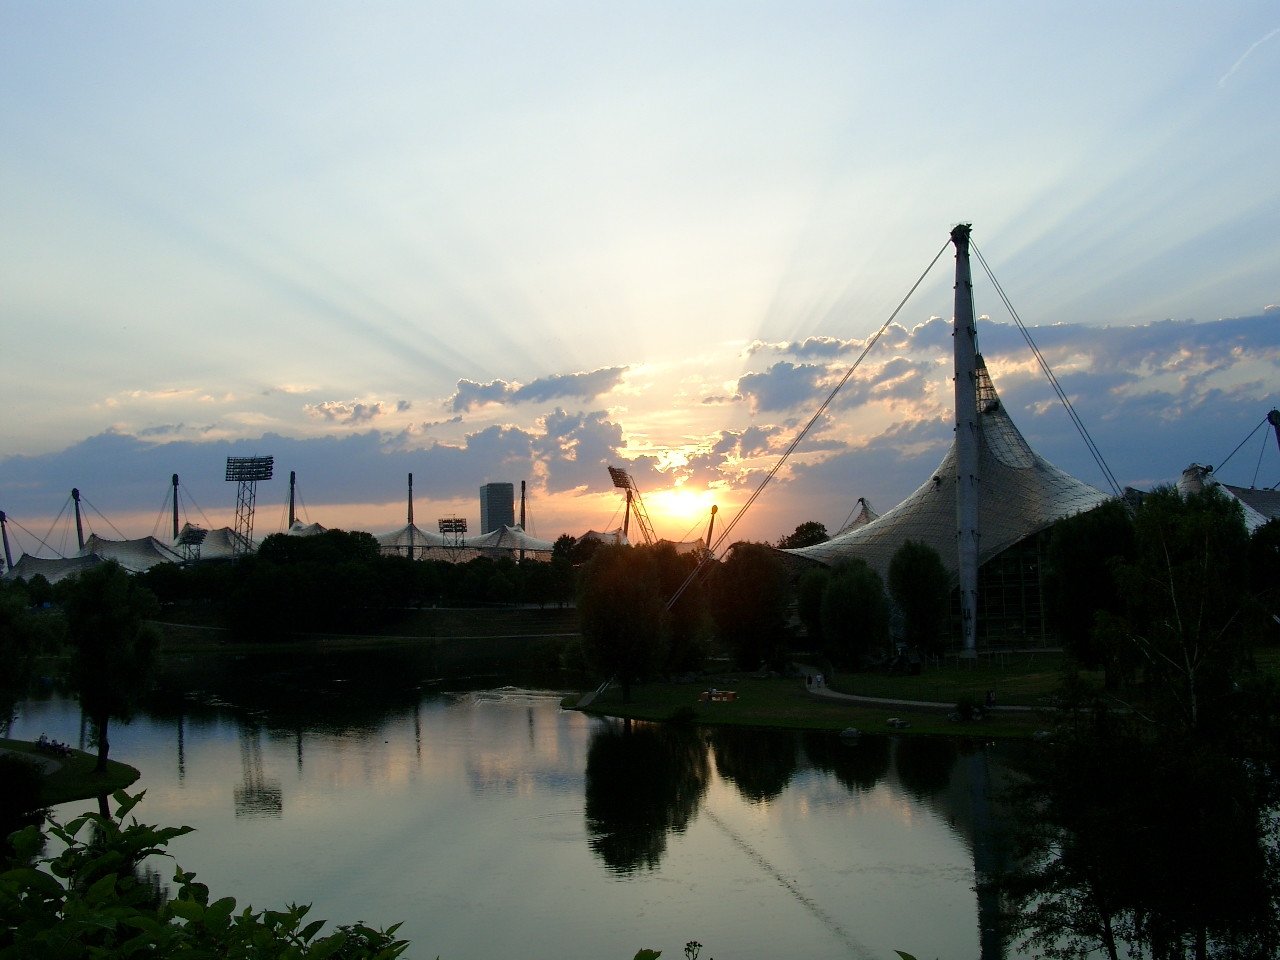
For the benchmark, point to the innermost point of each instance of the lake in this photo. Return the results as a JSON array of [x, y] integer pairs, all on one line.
[[495, 824]]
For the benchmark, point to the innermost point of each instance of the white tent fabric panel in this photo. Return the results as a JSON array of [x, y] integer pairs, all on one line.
[[136, 556], [52, 569]]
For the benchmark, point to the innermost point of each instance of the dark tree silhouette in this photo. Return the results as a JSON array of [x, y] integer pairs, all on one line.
[[113, 648], [622, 615], [921, 588], [749, 596], [805, 535], [855, 613]]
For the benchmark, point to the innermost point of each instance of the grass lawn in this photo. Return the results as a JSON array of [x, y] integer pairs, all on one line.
[[76, 779], [785, 703], [1023, 680]]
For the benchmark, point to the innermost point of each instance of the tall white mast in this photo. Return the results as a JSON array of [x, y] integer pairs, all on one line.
[[967, 479]]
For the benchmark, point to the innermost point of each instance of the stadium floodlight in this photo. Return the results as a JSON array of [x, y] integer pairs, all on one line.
[[246, 472], [249, 468]]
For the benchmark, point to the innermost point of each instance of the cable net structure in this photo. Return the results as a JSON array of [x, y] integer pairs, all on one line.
[[1019, 494]]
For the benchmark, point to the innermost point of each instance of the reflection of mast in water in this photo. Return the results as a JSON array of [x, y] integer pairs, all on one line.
[[83, 721], [182, 753], [297, 746], [259, 796], [417, 728]]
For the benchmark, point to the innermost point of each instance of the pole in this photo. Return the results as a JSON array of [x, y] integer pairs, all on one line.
[[711, 525], [75, 495], [293, 513], [411, 516], [626, 518], [4, 532], [175, 508], [522, 517], [1273, 418], [967, 428]]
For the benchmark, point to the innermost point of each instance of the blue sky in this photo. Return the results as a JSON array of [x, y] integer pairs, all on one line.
[[515, 241]]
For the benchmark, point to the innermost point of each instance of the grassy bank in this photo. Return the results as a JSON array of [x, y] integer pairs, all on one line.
[[784, 703], [76, 778], [1023, 680]]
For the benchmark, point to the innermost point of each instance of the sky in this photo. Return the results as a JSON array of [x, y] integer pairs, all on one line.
[[525, 241]]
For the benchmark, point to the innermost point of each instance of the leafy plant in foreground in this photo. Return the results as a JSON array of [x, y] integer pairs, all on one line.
[[90, 902]]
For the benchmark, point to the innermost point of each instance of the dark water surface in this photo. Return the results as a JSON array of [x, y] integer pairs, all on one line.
[[497, 825]]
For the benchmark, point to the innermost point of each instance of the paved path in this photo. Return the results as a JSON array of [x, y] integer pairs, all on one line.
[[824, 691], [47, 764]]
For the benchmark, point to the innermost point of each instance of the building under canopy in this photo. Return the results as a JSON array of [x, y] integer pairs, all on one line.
[[300, 529], [506, 541], [135, 556]]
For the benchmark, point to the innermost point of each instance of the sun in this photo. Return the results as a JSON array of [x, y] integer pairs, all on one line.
[[675, 510]]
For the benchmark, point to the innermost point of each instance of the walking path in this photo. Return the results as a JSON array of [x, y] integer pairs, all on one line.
[[822, 690]]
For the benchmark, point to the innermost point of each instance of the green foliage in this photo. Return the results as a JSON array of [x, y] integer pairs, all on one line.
[[1077, 579], [19, 796], [331, 547], [921, 587], [114, 650], [805, 535], [90, 902], [688, 622], [622, 615], [749, 597], [855, 613], [809, 601], [1187, 607]]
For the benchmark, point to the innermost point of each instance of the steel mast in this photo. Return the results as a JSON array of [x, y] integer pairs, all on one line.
[[968, 535]]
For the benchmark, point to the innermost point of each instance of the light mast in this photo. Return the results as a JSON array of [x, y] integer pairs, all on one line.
[[967, 478]]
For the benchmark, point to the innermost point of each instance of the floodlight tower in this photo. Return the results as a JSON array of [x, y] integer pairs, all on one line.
[[246, 472], [624, 482]]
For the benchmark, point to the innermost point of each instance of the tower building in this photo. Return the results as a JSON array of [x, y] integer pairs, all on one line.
[[497, 506]]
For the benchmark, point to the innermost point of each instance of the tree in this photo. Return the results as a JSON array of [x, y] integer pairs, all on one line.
[[621, 614], [688, 621], [855, 612], [1187, 602], [809, 592], [805, 535], [921, 587], [749, 596], [114, 649], [24, 635], [1077, 580]]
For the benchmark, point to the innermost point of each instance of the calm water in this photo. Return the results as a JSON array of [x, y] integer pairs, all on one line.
[[497, 825]]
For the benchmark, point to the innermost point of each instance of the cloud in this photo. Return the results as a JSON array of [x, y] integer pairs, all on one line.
[[335, 411], [782, 386], [586, 386]]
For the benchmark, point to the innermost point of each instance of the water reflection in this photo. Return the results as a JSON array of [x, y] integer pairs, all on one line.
[[257, 795], [856, 764], [760, 763], [644, 782], [923, 765]]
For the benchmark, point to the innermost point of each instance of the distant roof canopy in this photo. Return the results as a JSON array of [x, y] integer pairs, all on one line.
[[1259, 505], [506, 541], [1019, 494]]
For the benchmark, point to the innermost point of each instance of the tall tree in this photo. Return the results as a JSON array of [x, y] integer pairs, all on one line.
[[855, 613], [114, 649], [809, 591], [921, 587], [622, 615], [805, 535], [749, 597]]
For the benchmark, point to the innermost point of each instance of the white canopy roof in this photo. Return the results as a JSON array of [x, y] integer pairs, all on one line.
[[1019, 493]]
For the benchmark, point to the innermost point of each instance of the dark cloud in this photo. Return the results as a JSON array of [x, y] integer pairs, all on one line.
[[335, 411], [781, 386], [586, 386]]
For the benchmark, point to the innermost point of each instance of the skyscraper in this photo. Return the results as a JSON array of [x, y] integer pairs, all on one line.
[[497, 506]]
